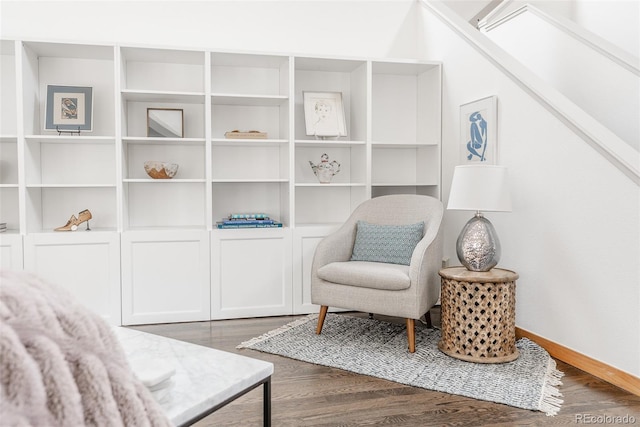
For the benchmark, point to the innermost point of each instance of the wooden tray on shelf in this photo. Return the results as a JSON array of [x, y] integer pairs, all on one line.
[[253, 134]]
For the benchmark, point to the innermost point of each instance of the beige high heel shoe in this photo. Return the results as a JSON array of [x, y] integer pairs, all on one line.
[[73, 223]]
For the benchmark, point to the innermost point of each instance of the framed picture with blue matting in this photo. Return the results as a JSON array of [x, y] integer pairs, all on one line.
[[69, 108]]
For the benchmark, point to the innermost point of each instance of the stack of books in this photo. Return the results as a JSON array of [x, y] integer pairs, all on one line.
[[3, 227], [257, 220]]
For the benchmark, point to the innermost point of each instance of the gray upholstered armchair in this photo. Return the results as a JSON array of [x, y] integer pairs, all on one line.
[[341, 279]]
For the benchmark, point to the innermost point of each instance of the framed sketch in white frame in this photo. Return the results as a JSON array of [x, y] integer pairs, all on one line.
[[478, 131], [165, 122], [324, 114], [69, 108]]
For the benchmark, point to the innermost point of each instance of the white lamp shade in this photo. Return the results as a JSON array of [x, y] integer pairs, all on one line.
[[480, 188]]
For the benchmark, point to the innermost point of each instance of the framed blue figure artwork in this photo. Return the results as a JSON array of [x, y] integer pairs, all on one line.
[[478, 131]]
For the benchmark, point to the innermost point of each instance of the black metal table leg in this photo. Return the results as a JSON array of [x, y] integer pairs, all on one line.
[[266, 396]]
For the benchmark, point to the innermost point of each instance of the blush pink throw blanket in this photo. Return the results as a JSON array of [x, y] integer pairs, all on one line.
[[61, 365]]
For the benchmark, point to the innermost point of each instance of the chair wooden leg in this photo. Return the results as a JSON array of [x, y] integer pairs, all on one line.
[[427, 318], [411, 335], [321, 316]]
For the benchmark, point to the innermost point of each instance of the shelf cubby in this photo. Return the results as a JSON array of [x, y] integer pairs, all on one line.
[[227, 117], [49, 207], [189, 157], [267, 162], [327, 204], [348, 77], [8, 161], [68, 65], [162, 71], [8, 118], [269, 197], [404, 165], [70, 161], [425, 190], [405, 103], [9, 211], [9, 182], [135, 116], [352, 160], [165, 204], [250, 75]]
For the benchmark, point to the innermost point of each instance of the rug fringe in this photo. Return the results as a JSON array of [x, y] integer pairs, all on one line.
[[281, 329], [550, 401]]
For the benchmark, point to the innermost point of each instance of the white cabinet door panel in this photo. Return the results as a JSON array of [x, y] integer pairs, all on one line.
[[165, 276], [85, 263], [11, 251], [251, 273]]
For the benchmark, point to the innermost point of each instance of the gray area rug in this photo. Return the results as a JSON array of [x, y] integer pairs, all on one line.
[[379, 349]]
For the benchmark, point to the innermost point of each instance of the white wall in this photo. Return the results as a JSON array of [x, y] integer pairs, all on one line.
[[573, 235], [338, 28]]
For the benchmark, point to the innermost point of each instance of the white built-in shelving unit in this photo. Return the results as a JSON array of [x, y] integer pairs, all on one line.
[[154, 253], [11, 255]]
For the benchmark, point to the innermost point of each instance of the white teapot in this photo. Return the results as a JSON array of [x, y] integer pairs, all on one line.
[[325, 170]]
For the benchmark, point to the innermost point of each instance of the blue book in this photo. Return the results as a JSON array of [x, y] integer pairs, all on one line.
[[222, 225], [247, 221]]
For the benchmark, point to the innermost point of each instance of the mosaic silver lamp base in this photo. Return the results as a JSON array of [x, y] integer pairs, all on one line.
[[478, 247]]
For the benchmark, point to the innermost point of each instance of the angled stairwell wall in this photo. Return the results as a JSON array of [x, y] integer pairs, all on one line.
[[574, 234], [615, 21], [597, 76]]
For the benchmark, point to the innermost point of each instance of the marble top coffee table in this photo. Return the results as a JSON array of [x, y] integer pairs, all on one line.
[[205, 379]]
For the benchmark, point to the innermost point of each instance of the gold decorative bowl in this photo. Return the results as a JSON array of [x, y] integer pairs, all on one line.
[[160, 170]]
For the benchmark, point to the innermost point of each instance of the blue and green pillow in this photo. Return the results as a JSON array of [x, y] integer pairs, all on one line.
[[392, 244]]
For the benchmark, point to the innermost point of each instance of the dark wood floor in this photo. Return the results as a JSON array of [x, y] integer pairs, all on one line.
[[304, 394]]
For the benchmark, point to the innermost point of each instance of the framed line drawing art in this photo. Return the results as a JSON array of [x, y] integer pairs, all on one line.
[[478, 131], [324, 114], [165, 122], [69, 108]]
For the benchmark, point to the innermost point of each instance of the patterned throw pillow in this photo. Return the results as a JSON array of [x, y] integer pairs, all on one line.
[[392, 244]]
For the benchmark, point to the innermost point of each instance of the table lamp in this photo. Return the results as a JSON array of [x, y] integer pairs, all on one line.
[[479, 188]]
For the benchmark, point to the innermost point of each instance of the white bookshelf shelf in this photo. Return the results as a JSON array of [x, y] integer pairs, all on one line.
[[71, 186], [330, 185], [158, 96], [248, 180], [162, 181], [144, 140], [240, 142], [319, 143], [70, 139], [242, 99]]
